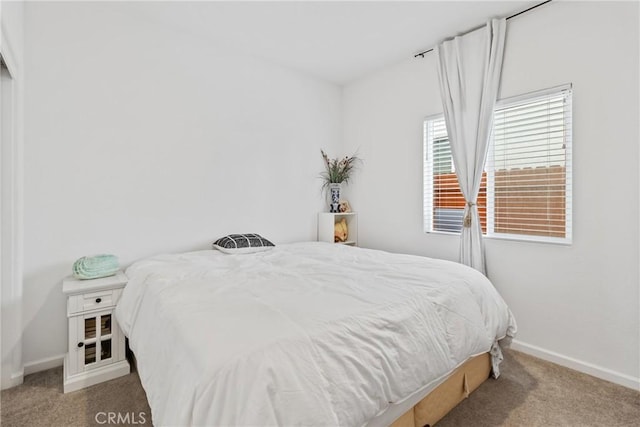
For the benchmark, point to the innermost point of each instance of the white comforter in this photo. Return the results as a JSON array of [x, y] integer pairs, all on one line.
[[304, 334]]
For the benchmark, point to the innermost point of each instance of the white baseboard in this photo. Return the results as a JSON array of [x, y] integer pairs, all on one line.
[[15, 379], [43, 364], [577, 365]]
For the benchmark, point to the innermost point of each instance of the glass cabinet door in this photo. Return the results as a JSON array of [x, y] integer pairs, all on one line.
[[89, 328], [105, 331], [105, 349], [105, 324], [89, 353], [96, 338]]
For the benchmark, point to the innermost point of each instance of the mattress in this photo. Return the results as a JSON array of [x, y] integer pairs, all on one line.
[[305, 334]]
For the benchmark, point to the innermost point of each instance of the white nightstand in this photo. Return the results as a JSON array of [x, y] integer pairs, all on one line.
[[96, 343], [326, 227]]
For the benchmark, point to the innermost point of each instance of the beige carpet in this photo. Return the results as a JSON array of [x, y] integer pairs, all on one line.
[[40, 402], [530, 392]]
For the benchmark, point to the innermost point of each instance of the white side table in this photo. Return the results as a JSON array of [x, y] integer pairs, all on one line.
[[326, 227], [96, 343]]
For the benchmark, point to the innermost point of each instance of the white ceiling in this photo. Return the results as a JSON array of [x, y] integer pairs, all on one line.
[[337, 41]]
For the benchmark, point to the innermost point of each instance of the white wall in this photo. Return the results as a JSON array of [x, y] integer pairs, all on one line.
[[11, 119], [578, 304], [140, 140]]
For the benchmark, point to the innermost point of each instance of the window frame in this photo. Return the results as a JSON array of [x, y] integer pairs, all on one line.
[[428, 216]]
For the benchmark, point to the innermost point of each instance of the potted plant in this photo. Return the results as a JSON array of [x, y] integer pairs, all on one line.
[[336, 172]]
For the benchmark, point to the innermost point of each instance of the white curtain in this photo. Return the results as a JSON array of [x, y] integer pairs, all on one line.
[[469, 69]]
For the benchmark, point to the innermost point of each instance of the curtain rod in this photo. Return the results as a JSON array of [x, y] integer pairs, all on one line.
[[421, 54]]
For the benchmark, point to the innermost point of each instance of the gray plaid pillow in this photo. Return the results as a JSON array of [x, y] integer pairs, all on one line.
[[242, 244]]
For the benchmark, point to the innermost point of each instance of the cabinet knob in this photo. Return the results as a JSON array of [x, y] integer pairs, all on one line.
[[98, 300], [80, 344]]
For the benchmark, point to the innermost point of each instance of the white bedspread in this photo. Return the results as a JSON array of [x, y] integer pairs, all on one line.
[[304, 334]]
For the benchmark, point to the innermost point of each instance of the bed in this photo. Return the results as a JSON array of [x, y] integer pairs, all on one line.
[[307, 334]]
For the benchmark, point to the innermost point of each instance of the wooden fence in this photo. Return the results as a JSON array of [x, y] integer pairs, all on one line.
[[529, 201]]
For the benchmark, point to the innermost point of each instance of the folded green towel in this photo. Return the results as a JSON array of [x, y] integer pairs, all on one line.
[[94, 267]]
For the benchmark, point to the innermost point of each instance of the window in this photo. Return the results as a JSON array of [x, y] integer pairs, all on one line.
[[525, 191]]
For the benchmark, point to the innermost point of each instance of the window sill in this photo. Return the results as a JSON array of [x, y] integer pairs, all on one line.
[[525, 239]]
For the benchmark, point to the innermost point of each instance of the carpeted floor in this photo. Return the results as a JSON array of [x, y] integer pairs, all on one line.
[[530, 392]]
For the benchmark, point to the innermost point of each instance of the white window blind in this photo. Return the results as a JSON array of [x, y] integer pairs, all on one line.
[[526, 187], [443, 200]]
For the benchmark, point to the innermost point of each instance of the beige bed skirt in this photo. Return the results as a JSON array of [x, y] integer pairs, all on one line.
[[447, 395], [442, 399]]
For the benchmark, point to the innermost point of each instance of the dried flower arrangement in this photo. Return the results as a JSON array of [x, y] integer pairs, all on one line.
[[338, 170]]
